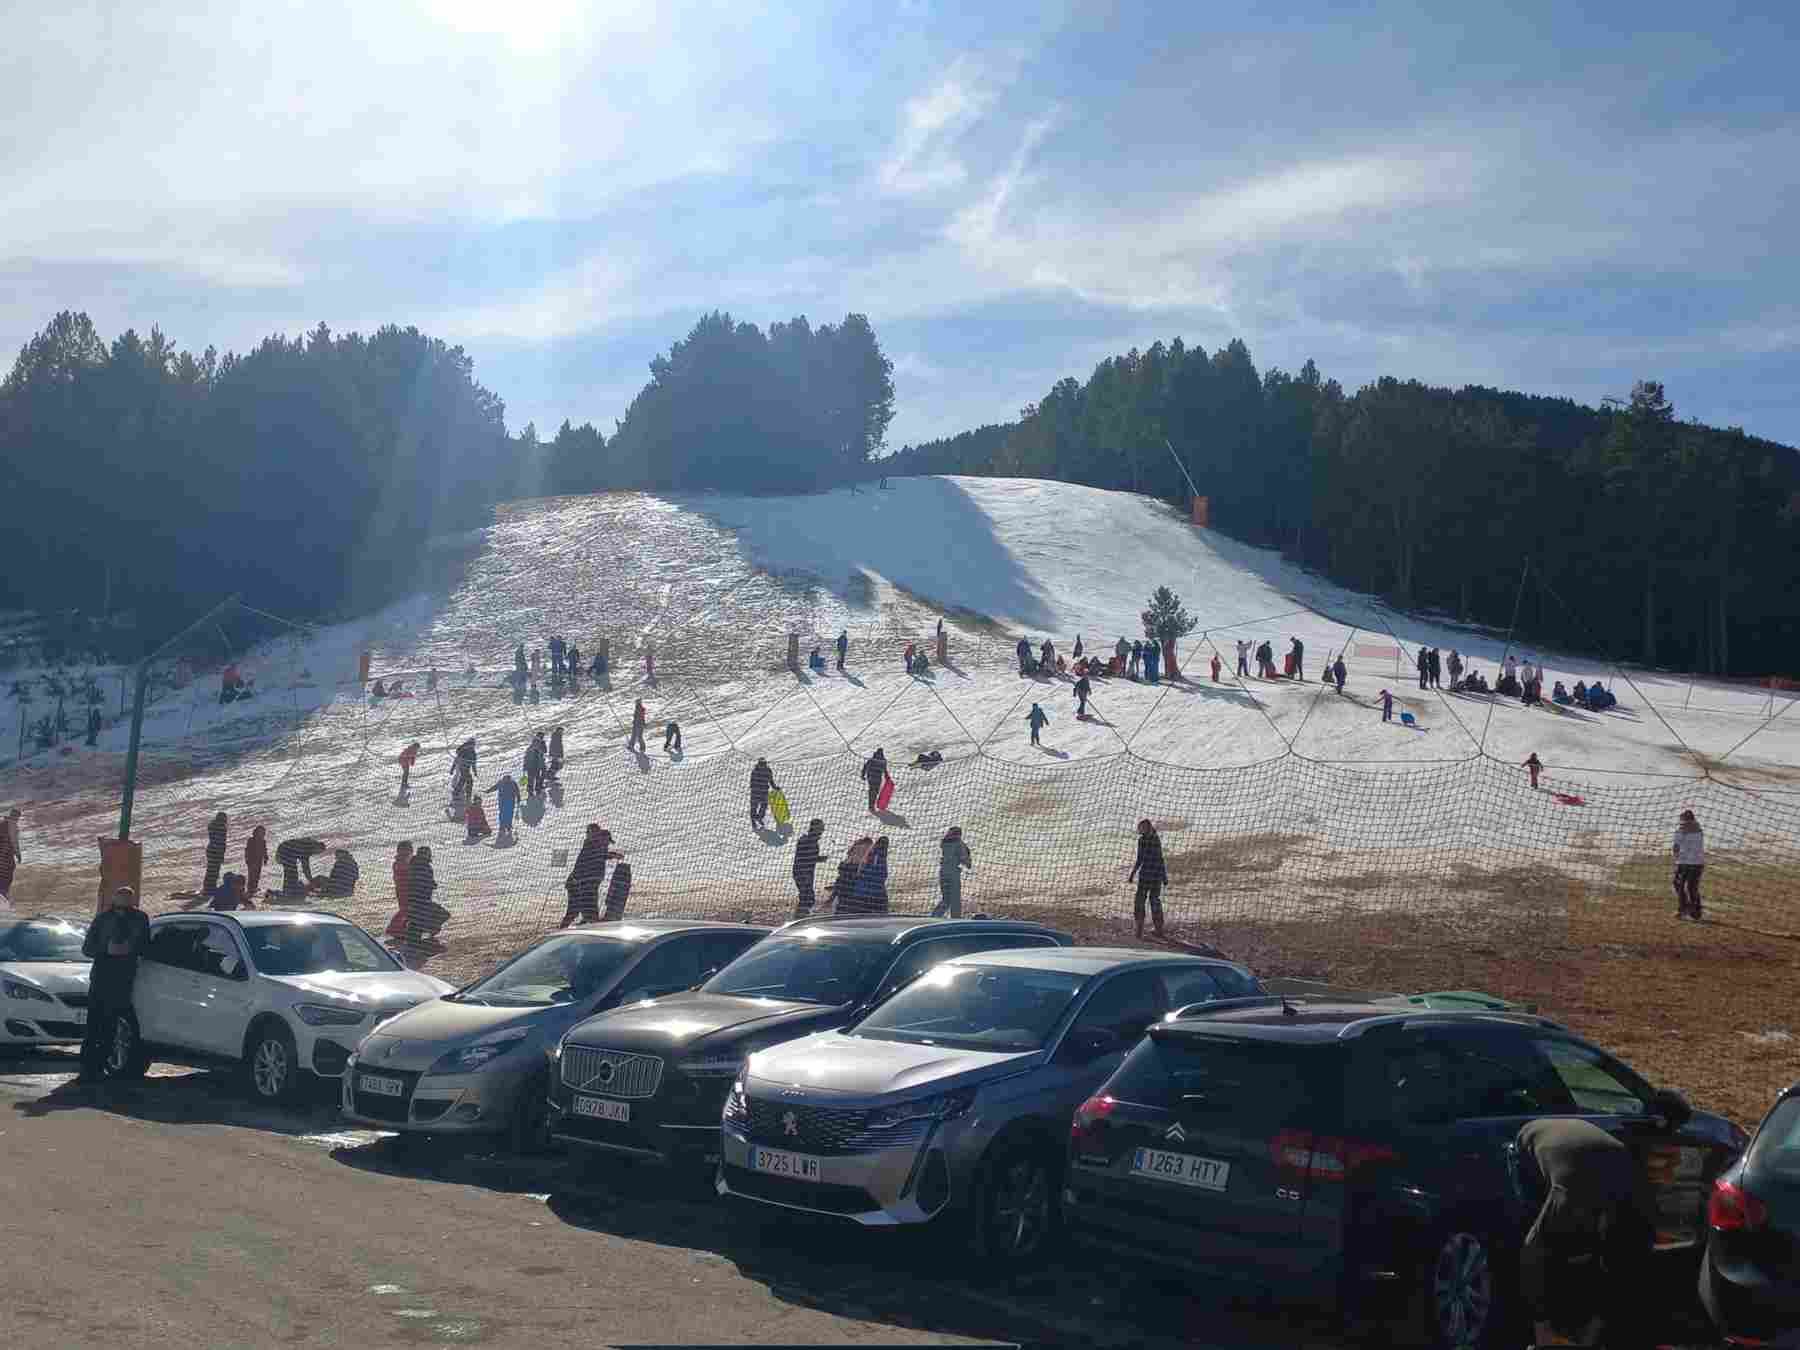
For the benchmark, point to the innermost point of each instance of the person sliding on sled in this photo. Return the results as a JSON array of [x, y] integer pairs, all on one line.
[[1150, 872], [762, 782], [1037, 719]]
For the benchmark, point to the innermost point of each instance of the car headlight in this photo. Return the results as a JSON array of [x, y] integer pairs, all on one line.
[[481, 1053], [945, 1106], [718, 1066], [324, 1015], [737, 1110], [25, 991]]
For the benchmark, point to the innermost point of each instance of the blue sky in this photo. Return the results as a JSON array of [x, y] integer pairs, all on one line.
[[1549, 197]]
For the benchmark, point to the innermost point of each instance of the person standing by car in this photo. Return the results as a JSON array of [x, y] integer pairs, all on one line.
[[870, 890], [403, 856], [1150, 872], [215, 853], [806, 864], [1584, 1260], [953, 856], [115, 940], [425, 917], [1690, 862]]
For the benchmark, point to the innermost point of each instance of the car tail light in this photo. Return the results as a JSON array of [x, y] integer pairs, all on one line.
[[1733, 1209], [1325, 1158], [1084, 1133]]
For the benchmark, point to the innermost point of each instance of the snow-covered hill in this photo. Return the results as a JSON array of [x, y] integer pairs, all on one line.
[[715, 585]]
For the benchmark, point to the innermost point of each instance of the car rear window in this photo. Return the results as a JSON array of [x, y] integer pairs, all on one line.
[[1260, 1084], [1777, 1146]]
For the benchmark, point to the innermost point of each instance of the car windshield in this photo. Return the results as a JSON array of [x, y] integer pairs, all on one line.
[[998, 1008], [565, 969], [315, 949], [41, 940], [1777, 1146], [805, 967]]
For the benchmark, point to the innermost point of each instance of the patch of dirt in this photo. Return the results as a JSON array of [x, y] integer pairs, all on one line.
[[1240, 855]]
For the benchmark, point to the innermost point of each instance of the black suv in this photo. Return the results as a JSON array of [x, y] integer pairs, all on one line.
[[1342, 1150], [650, 1080]]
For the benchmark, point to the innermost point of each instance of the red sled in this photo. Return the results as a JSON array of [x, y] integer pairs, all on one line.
[[1567, 800], [886, 794]]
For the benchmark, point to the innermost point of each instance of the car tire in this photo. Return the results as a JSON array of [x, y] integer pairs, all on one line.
[[127, 1057], [528, 1129], [1463, 1305], [271, 1064], [1016, 1209]]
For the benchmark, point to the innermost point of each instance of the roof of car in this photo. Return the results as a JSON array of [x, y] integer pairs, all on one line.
[[263, 918], [1084, 960], [642, 930], [1275, 1017], [895, 927]]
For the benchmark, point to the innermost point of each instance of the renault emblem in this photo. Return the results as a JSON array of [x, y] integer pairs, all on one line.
[[1176, 1133], [790, 1123]]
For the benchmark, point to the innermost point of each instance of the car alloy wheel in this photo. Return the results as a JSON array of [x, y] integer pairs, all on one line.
[[1019, 1207], [271, 1067], [1462, 1291]]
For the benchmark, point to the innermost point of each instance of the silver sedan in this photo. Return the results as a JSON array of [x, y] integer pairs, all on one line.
[[473, 1062]]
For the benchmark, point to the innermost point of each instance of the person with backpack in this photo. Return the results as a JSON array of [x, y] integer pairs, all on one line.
[[806, 865], [1150, 872], [1037, 719], [874, 774], [762, 783], [953, 856]]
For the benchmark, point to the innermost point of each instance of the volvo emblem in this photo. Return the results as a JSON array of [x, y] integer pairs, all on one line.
[[1176, 1133], [790, 1123], [604, 1073]]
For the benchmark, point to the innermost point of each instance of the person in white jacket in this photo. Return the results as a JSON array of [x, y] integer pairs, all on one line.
[[1690, 862]]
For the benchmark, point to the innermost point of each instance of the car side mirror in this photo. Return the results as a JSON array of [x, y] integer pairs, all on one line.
[[1671, 1106]]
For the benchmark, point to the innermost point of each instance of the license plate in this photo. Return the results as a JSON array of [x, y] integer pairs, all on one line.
[[601, 1109], [381, 1087], [779, 1164], [79, 1017], [1187, 1169]]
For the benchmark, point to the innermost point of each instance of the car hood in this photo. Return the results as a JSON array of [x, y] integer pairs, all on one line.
[[54, 977], [862, 1067], [681, 1021], [381, 990], [449, 1024]]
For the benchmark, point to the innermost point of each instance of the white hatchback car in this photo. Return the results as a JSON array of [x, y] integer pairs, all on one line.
[[43, 981], [280, 992]]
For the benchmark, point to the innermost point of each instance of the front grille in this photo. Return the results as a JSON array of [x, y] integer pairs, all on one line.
[[817, 1195], [825, 1129], [377, 1107], [74, 1000], [616, 1073]]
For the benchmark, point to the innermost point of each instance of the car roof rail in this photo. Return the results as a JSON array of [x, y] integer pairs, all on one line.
[[1362, 1025], [1193, 1011]]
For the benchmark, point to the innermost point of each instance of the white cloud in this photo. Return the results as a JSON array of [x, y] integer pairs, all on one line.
[[922, 159]]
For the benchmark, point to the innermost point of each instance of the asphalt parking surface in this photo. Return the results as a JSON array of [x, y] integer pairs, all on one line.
[[173, 1210]]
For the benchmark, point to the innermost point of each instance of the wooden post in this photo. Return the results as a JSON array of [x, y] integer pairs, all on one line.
[[943, 648], [1202, 511], [1169, 653], [794, 652]]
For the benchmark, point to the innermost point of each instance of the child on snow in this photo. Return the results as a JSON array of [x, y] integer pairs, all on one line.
[[477, 822], [1533, 766], [1387, 706], [1036, 719]]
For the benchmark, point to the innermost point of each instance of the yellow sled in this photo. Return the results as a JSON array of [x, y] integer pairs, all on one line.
[[778, 807]]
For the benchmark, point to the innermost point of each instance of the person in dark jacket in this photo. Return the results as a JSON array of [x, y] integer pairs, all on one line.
[[953, 857], [1585, 1259], [215, 853], [843, 647], [1153, 662], [1077, 652], [114, 943], [638, 716], [869, 895], [874, 773], [1150, 872], [295, 857], [806, 865], [556, 751], [762, 782], [671, 737], [618, 891], [1299, 650], [408, 757], [1037, 719], [256, 857], [1387, 706], [1436, 660], [340, 883], [534, 766], [231, 895], [1083, 689], [583, 882], [1338, 672], [425, 917], [1023, 650], [1424, 665], [843, 888], [506, 793], [1533, 766]]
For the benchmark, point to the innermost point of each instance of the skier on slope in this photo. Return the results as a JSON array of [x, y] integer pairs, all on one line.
[[1037, 719], [874, 774], [762, 782]]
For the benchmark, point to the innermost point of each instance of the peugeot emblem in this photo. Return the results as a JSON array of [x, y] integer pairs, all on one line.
[[1176, 1133], [790, 1092], [790, 1123], [604, 1073]]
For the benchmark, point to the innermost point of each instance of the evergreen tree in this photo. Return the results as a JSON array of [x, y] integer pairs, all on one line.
[[1167, 619]]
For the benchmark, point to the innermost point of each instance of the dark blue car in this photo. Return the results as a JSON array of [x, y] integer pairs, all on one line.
[[1750, 1277]]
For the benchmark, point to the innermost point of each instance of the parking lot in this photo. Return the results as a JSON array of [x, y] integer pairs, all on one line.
[[215, 1222]]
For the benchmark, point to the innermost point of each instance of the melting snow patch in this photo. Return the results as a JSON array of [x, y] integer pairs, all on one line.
[[1766, 1037]]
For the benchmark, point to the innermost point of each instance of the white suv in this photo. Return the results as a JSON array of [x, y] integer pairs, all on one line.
[[277, 991]]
